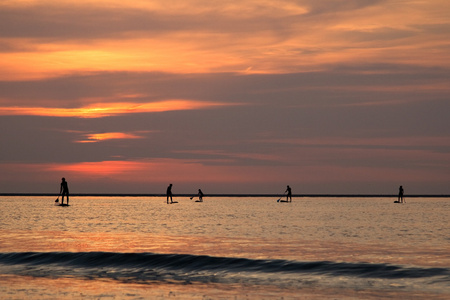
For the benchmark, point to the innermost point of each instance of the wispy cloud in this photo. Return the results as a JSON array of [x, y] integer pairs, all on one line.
[[100, 168], [105, 136], [101, 110], [232, 156], [414, 142]]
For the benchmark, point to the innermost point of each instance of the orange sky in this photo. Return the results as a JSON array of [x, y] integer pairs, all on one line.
[[194, 36], [251, 95]]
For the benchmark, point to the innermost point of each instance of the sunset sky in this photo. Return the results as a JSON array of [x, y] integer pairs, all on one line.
[[329, 96]]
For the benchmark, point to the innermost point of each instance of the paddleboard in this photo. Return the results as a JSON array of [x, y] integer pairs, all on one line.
[[399, 202]]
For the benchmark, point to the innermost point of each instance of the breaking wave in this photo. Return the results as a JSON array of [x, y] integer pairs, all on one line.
[[151, 267]]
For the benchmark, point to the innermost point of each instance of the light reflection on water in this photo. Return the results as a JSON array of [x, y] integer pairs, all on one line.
[[344, 229], [70, 288]]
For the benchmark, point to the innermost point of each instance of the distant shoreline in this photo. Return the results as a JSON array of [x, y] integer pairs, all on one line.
[[227, 195]]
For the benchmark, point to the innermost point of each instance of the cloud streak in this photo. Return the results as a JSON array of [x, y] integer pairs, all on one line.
[[102, 110], [105, 136]]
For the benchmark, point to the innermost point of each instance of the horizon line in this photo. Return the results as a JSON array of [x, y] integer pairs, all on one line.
[[231, 195]]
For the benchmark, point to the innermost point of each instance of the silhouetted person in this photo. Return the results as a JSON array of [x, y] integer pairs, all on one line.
[[169, 194], [200, 195], [64, 191], [289, 194], [400, 194]]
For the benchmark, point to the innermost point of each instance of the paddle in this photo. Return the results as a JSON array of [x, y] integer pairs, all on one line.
[[57, 199], [281, 197]]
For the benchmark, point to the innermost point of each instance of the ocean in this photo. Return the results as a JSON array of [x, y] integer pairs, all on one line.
[[224, 248]]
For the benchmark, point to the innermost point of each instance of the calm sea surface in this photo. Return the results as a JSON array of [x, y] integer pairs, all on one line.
[[224, 248]]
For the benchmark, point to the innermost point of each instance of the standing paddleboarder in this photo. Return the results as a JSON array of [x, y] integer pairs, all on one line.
[[169, 194], [289, 194], [64, 191], [400, 194]]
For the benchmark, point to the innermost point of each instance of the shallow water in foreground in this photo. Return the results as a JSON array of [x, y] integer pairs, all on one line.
[[227, 248]]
